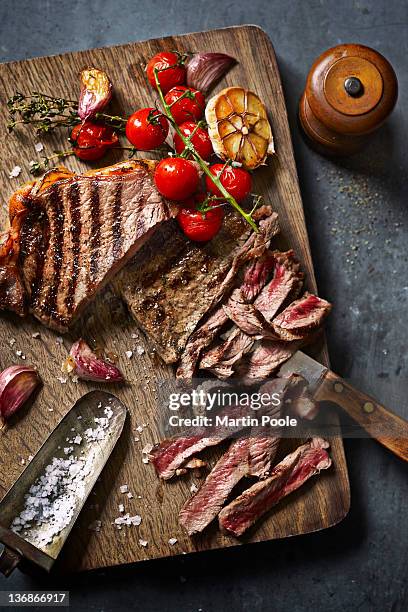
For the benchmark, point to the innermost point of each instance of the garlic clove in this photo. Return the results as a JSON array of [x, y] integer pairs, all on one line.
[[83, 362], [17, 383], [96, 92], [204, 70]]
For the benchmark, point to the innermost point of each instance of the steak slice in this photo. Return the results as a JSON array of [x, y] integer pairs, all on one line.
[[249, 456], [301, 317], [172, 283], [265, 359], [286, 282], [245, 457], [249, 319], [79, 231], [291, 473], [255, 278], [205, 505], [171, 454]]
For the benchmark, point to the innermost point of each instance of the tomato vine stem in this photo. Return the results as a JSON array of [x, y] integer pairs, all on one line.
[[203, 165]]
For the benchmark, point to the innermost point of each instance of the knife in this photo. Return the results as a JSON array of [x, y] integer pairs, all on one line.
[[387, 428]]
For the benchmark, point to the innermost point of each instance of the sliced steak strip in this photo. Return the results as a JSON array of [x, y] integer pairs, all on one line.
[[248, 318], [169, 455], [301, 317], [297, 321], [255, 278], [249, 456], [205, 505], [286, 282], [265, 359], [287, 476], [245, 457]]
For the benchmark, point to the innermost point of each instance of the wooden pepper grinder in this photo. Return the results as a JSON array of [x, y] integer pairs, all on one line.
[[350, 91]]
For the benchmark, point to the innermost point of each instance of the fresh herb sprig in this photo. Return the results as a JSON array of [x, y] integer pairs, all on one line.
[[43, 111], [46, 113], [203, 165]]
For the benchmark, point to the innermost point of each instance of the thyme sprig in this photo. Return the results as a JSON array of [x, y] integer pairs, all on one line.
[[46, 113], [43, 111], [203, 165]]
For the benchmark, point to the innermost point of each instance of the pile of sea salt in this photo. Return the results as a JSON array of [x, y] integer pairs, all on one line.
[[52, 500]]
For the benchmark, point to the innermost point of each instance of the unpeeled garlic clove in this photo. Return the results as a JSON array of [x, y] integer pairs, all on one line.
[[204, 70], [86, 365], [96, 92], [17, 383]]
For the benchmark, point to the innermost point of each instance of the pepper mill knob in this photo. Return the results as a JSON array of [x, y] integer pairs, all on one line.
[[350, 91]]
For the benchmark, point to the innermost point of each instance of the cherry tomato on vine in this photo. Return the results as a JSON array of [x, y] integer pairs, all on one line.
[[171, 70], [200, 140], [176, 178], [197, 225], [147, 129], [237, 182], [91, 140], [189, 108]]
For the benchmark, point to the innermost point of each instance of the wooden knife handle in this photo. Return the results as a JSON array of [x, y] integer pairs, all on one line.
[[387, 428]]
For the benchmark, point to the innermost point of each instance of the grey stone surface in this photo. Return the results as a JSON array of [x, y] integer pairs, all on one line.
[[362, 563]]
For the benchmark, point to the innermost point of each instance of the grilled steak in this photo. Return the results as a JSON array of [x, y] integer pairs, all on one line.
[[287, 476], [255, 278], [78, 231], [172, 282], [172, 453], [249, 456], [286, 282]]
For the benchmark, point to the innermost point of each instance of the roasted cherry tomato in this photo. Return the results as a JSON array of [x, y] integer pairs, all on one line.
[[171, 70], [237, 182], [176, 178], [197, 225], [189, 108], [147, 129], [200, 140], [91, 140]]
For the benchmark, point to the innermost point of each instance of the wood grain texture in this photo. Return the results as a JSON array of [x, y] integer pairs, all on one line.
[[322, 502]]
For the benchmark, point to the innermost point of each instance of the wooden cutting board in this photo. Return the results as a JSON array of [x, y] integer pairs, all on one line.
[[324, 501]]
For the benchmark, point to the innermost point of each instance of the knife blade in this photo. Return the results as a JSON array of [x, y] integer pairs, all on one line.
[[382, 424]]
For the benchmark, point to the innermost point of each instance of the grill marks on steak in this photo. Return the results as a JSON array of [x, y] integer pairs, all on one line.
[[79, 231], [291, 473], [173, 283]]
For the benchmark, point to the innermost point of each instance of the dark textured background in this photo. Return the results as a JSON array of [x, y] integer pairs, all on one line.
[[357, 219]]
